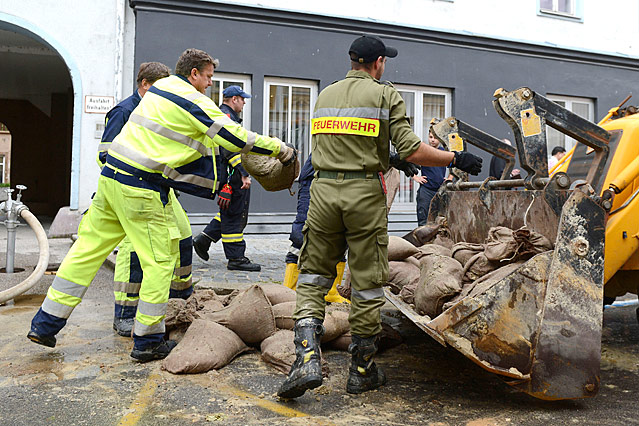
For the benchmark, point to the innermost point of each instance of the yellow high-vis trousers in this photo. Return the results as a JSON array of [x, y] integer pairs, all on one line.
[[123, 204], [128, 272]]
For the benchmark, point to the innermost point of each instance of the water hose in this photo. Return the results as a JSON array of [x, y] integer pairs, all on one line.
[[43, 260]]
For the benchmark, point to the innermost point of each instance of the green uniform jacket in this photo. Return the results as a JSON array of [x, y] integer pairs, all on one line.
[[353, 121]]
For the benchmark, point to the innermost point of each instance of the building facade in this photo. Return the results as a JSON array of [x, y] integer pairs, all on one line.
[[453, 54]]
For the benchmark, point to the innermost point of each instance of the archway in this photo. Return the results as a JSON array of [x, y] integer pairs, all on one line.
[[39, 106]]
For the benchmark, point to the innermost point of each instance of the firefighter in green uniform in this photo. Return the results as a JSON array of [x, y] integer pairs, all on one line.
[[353, 121], [168, 141]]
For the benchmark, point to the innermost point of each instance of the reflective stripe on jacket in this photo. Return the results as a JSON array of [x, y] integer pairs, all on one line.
[[172, 134], [354, 120]]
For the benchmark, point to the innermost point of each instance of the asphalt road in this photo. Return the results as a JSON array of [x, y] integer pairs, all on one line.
[[90, 379]]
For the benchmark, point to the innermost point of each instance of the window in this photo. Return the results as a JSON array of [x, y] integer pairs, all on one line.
[[223, 80], [422, 105], [583, 107], [570, 9], [2, 168], [288, 106]]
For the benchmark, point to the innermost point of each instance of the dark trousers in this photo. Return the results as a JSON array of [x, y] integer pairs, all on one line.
[[296, 236], [228, 225], [424, 197]]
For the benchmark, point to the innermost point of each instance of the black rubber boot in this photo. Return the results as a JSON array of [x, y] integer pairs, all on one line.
[[364, 375], [123, 326], [201, 244], [306, 372], [243, 264], [42, 340], [159, 351]]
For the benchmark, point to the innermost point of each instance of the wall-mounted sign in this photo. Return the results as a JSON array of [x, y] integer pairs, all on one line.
[[98, 104]]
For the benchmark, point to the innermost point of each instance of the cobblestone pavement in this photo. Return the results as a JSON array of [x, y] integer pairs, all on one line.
[[268, 252]]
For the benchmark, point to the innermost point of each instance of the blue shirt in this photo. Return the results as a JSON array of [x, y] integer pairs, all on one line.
[[434, 175]]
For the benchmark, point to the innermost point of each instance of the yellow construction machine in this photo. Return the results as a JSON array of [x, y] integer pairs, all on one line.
[[539, 327]]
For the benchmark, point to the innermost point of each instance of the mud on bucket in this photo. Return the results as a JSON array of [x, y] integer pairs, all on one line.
[[270, 172]]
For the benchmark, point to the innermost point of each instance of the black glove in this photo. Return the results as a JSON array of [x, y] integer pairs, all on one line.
[[467, 162], [407, 167]]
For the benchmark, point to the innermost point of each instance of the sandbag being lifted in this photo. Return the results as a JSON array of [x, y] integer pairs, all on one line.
[[270, 172]]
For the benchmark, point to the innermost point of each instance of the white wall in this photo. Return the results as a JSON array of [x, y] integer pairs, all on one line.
[[608, 26], [100, 41]]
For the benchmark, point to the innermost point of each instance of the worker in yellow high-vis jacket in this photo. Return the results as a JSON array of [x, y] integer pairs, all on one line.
[[167, 142], [128, 273]]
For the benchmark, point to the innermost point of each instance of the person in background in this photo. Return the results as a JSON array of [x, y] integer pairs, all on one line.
[[497, 166], [557, 154], [429, 181], [233, 200]]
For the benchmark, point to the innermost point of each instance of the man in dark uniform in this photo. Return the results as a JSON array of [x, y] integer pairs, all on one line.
[[233, 198], [353, 121]]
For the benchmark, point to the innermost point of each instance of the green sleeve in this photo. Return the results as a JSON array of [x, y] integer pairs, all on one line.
[[402, 136]]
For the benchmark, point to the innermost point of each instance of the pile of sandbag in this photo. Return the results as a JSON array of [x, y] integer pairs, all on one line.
[[211, 330], [430, 272]]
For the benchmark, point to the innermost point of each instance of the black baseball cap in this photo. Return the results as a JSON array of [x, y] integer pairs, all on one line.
[[368, 48]]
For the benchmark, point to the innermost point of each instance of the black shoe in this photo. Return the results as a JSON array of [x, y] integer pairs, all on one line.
[[306, 371], [42, 340], [201, 244], [363, 374], [243, 264], [123, 326], [159, 351]]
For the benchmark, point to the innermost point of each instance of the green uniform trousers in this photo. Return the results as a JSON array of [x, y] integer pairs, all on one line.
[[128, 271], [118, 209], [345, 213]]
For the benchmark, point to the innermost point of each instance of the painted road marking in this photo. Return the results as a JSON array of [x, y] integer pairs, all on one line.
[[138, 407]]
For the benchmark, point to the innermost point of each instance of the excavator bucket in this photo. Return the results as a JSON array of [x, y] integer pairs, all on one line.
[[539, 325]]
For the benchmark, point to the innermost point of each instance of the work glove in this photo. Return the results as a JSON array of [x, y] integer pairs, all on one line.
[[407, 167], [287, 154], [224, 197], [467, 162]]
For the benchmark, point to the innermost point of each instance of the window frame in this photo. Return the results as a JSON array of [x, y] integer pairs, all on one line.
[[576, 16], [3, 167], [290, 82], [418, 128], [246, 80], [568, 101]]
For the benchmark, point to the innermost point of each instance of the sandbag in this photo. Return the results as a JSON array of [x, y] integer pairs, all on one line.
[[443, 240], [422, 234], [490, 279], [342, 342], [462, 252], [205, 346], [500, 244], [278, 350], [413, 260], [400, 249], [439, 281], [335, 324], [250, 315], [270, 172], [283, 313], [478, 266], [177, 314], [392, 179], [428, 249], [278, 293], [401, 274], [407, 293], [177, 334]]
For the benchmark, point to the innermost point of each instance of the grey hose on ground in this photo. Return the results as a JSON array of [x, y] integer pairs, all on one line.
[[43, 260]]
